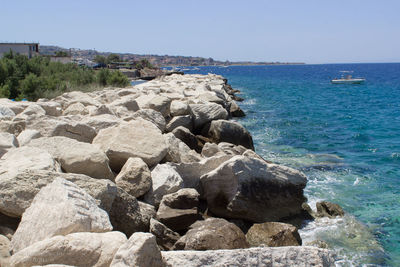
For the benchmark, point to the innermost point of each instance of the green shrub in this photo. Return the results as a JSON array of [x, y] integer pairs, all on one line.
[[37, 77]]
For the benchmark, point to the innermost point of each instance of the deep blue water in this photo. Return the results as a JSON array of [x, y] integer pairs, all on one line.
[[345, 138]]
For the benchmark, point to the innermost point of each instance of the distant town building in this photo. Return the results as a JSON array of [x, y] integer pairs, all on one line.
[[27, 49]]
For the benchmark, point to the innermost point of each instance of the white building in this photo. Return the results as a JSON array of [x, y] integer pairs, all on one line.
[[27, 49]]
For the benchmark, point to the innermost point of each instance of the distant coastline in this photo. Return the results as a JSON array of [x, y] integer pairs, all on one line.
[[158, 60]]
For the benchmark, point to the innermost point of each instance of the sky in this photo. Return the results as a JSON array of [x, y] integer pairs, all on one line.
[[310, 31]]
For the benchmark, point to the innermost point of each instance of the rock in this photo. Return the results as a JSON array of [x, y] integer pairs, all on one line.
[[156, 102], [211, 149], [235, 110], [184, 121], [178, 108], [27, 135], [75, 109], [101, 122], [18, 190], [134, 177], [140, 250], [70, 98], [100, 110], [33, 110], [4, 250], [137, 138], [24, 158], [51, 108], [165, 180], [204, 113], [180, 209], [191, 172], [211, 234], [152, 116], [59, 208], [231, 132], [48, 126], [231, 149], [261, 257], [254, 190], [77, 249], [6, 112], [147, 211], [188, 138], [7, 141], [8, 225], [125, 214], [165, 237], [328, 209], [15, 126], [178, 151], [128, 102], [273, 234], [76, 157]]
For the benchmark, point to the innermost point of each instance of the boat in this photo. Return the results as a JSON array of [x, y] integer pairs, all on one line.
[[347, 78]]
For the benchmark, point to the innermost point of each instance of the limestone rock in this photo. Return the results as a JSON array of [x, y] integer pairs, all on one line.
[[100, 110], [184, 121], [165, 180], [204, 113], [27, 135], [134, 177], [273, 234], [180, 209], [77, 249], [59, 208], [187, 137], [128, 102], [125, 214], [235, 110], [100, 122], [75, 109], [137, 138], [140, 250], [252, 189], [4, 250], [14, 126], [156, 102], [165, 237], [179, 108], [23, 158], [147, 212], [211, 234], [328, 209], [178, 151], [6, 112], [7, 141], [70, 98], [33, 110], [76, 157], [51, 108], [18, 190], [211, 149], [261, 257], [152, 116], [231, 132]]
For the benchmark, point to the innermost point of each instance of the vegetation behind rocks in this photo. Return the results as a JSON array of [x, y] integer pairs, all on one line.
[[38, 77]]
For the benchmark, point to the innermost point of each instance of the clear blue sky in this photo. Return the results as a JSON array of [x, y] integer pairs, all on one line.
[[311, 31]]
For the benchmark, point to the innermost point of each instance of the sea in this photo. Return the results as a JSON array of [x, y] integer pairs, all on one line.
[[345, 138]]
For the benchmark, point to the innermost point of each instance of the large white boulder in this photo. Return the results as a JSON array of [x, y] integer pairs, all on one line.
[[140, 250], [165, 180], [76, 157], [261, 257], [137, 138], [179, 108], [7, 141], [18, 190], [77, 249], [178, 151], [6, 111], [134, 177], [27, 135], [27, 158], [254, 190], [152, 116], [156, 102], [59, 208], [204, 113]]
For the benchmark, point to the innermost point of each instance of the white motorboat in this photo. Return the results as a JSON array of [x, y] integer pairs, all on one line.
[[347, 79]]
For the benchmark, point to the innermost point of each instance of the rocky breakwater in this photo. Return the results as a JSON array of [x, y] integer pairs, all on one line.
[[152, 175]]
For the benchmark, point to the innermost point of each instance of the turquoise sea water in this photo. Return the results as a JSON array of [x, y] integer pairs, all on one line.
[[345, 138]]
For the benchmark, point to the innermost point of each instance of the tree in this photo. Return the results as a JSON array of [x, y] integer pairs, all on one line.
[[100, 59], [113, 58], [61, 54]]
